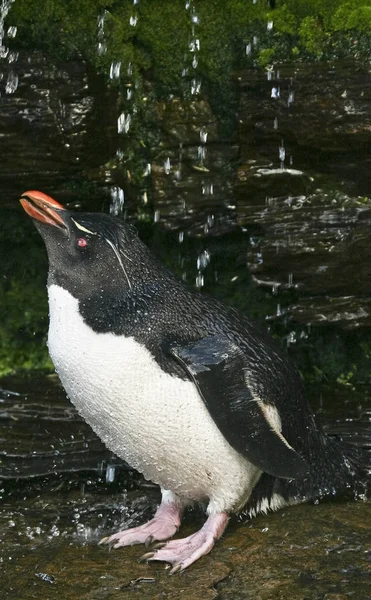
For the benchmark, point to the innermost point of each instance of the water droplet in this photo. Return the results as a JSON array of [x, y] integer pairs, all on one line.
[[194, 45], [156, 216], [167, 166], [195, 86], [117, 200], [291, 338], [207, 189], [282, 153], [12, 31], [102, 48], [123, 123], [203, 260], [200, 280], [12, 83], [115, 70], [201, 153], [13, 57], [110, 473]]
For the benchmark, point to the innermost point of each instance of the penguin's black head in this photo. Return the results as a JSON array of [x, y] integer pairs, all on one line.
[[88, 252]]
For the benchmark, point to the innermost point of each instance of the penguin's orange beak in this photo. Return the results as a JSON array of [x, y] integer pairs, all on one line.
[[43, 208]]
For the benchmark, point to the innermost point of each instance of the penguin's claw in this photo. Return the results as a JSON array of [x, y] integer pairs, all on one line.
[[176, 569], [103, 541], [146, 556]]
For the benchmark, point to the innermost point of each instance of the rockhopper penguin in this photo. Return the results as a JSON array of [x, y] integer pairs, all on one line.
[[185, 389]]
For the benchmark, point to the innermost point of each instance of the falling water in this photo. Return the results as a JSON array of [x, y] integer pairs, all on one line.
[[10, 57], [117, 200], [125, 117], [194, 49], [102, 46]]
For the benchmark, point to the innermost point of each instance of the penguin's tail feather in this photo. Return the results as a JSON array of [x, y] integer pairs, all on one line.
[[335, 468]]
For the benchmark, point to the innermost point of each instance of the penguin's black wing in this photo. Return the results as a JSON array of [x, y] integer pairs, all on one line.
[[250, 424]]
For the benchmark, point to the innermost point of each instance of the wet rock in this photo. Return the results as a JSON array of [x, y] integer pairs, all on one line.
[[257, 181], [43, 434], [192, 167], [300, 552], [318, 113], [303, 131]]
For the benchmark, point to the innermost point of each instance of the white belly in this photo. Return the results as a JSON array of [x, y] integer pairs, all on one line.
[[156, 422]]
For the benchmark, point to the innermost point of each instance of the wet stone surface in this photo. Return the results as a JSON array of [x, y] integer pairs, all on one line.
[[50, 553]]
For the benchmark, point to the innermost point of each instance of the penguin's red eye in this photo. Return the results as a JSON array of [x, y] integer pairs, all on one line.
[[81, 242]]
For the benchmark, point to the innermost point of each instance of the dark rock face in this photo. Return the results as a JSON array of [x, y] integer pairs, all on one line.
[[312, 224]]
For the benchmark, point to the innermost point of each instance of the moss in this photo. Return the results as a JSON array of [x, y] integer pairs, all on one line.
[[312, 36], [266, 57], [354, 16], [159, 41]]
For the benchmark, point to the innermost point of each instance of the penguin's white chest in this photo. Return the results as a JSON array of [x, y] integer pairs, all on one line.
[[156, 422]]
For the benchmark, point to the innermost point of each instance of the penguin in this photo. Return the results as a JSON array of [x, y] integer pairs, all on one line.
[[185, 389]]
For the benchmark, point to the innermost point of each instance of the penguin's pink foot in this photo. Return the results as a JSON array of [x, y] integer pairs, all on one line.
[[182, 553], [164, 524]]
